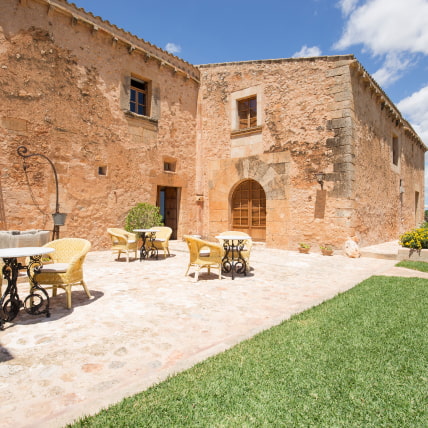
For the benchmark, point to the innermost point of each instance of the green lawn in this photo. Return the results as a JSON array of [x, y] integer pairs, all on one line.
[[410, 264], [358, 360]]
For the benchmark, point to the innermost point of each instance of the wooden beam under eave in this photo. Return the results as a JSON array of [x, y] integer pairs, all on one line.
[[51, 9]]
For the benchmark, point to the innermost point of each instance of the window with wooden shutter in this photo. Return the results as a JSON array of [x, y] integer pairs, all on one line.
[[247, 112], [138, 97]]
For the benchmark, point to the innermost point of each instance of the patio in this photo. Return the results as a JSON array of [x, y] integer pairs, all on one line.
[[146, 321]]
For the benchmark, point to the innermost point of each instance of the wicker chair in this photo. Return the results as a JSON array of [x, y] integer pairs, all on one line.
[[204, 254], [161, 241], [67, 267], [123, 242], [248, 244]]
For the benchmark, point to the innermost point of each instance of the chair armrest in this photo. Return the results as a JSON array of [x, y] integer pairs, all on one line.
[[215, 249]]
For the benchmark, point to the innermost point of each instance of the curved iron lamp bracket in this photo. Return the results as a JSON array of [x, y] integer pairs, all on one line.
[[22, 150]]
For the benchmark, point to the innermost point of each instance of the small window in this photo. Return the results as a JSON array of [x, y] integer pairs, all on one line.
[[169, 166], [395, 150], [102, 170], [138, 97], [247, 112]]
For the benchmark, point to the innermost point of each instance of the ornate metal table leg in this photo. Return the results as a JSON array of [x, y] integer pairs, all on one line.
[[143, 251], [152, 251], [37, 302], [231, 262], [240, 263], [226, 261], [9, 302]]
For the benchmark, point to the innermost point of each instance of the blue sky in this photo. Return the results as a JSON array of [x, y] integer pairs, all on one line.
[[389, 37]]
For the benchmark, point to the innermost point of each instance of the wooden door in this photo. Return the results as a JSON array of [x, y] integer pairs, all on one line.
[[249, 209], [168, 203]]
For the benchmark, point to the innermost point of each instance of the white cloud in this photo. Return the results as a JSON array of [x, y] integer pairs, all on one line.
[[173, 48], [395, 30], [392, 69], [347, 6], [384, 26], [415, 108], [306, 52]]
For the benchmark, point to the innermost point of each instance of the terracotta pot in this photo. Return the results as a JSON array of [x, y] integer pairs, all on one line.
[[327, 252], [304, 250]]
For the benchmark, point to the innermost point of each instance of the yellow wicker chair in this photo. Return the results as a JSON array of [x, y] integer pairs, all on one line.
[[123, 242], [67, 267], [161, 241], [204, 254], [248, 244]]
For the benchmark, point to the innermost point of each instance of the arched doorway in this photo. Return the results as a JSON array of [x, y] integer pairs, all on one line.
[[249, 209]]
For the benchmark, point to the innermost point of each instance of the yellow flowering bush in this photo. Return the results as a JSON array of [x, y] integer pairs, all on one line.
[[416, 239]]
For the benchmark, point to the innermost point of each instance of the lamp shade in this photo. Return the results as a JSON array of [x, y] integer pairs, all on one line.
[[59, 219]]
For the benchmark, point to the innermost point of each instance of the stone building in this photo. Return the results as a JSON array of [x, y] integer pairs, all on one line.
[[288, 150]]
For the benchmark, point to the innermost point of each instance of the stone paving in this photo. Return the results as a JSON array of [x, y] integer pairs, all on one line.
[[146, 321]]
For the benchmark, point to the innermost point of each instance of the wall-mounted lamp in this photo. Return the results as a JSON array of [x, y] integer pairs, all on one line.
[[320, 176], [58, 218]]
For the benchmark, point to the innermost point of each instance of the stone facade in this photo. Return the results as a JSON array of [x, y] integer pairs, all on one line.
[[64, 90], [318, 114], [65, 80]]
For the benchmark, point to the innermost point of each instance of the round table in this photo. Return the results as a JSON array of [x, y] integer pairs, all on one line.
[[233, 260], [37, 302], [151, 251]]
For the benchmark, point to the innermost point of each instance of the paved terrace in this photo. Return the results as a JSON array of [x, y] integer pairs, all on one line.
[[147, 321]]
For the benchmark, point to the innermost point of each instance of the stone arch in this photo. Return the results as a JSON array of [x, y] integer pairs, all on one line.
[[271, 171]]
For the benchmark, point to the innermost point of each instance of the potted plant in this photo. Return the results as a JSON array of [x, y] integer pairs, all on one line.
[[326, 250], [304, 247], [143, 216]]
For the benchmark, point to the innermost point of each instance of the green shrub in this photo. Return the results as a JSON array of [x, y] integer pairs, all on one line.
[[143, 216], [416, 239]]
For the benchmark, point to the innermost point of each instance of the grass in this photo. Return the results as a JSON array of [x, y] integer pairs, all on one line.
[[410, 264], [358, 360]]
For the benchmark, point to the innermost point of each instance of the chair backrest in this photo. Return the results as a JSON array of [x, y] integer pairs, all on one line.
[[68, 250], [196, 245], [120, 236], [193, 245], [162, 232]]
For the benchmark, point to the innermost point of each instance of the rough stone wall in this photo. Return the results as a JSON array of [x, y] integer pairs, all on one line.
[[304, 106], [63, 94], [383, 210]]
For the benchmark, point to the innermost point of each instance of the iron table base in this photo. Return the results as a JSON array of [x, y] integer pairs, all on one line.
[[233, 261], [36, 303]]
